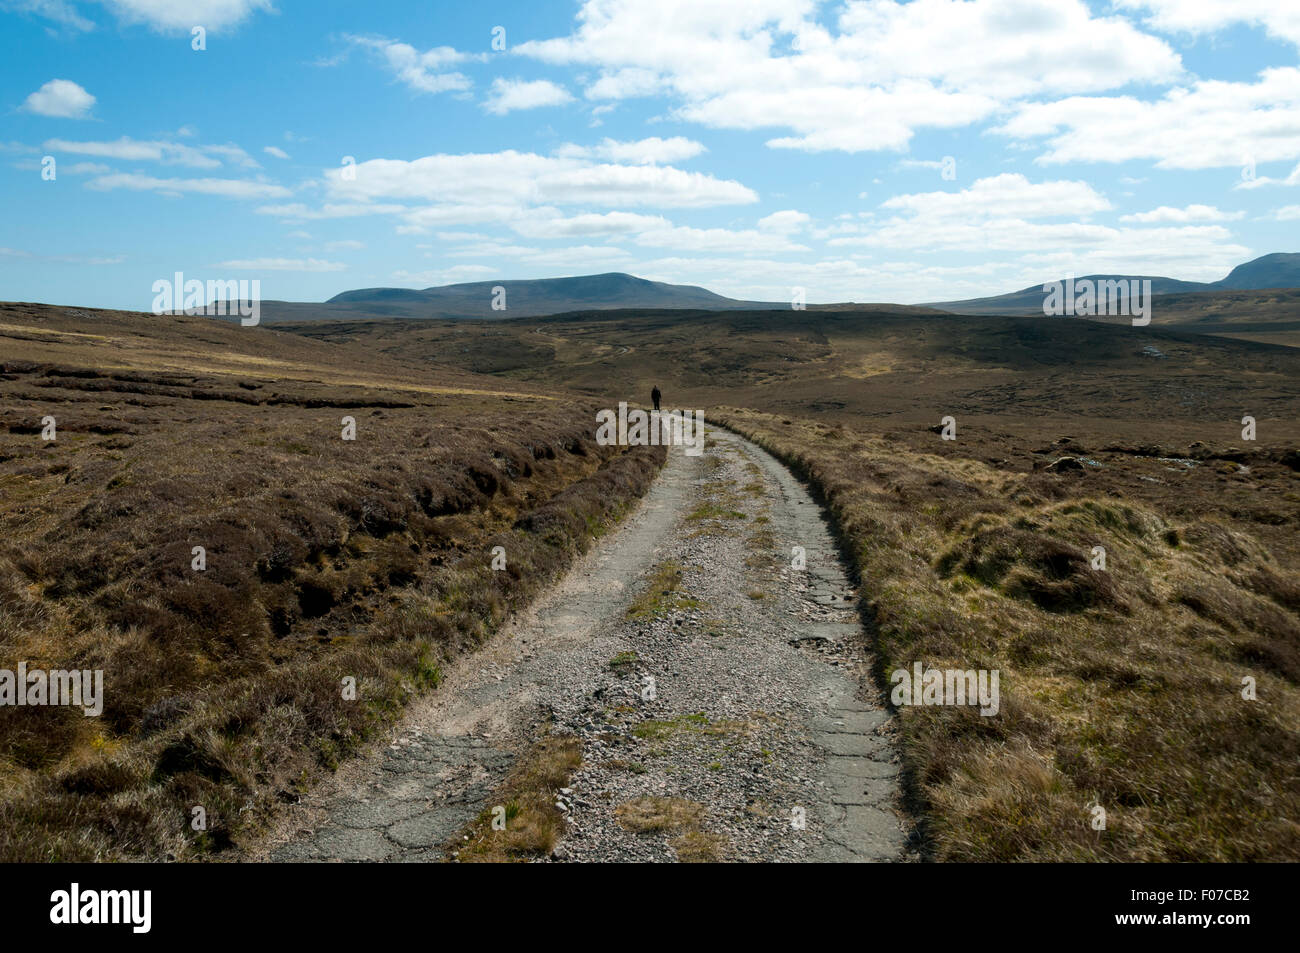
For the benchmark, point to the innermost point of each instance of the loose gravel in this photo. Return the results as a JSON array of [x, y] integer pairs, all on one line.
[[733, 719]]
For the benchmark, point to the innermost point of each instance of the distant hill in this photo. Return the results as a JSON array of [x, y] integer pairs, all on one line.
[[1278, 270], [526, 299], [618, 291], [535, 298]]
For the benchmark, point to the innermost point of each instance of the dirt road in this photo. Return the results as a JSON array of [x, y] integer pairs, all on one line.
[[718, 685]]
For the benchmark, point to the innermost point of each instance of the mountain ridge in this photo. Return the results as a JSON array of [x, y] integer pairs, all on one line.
[[1274, 270], [607, 291]]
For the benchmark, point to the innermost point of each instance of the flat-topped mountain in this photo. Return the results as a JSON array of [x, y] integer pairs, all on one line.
[[531, 298]]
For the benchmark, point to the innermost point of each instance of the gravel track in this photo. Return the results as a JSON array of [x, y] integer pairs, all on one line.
[[745, 697]]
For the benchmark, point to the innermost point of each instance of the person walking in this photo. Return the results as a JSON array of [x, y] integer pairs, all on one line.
[[655, 395]]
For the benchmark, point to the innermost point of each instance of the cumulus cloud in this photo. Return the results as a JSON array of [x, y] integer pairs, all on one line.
[[748, 241], [545, 223], [298, 211], [61, 99], [1004, 196], [1210, 124], [425, 72], [517, 180], [1258, 181], [508, 95], [785, 222], [1008, 213], [652, 149], [885, 70], [181, 16], [1281, 20], [1192, 213]]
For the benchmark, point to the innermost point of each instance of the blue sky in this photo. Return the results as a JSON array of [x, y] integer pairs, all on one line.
[[867, 151]]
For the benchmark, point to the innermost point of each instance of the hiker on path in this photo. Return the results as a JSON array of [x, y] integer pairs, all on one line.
[[655, 395]]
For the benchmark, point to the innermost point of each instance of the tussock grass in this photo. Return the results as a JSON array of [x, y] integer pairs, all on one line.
[[663, 594], [654, 813], [533, 823], [1120, 688]]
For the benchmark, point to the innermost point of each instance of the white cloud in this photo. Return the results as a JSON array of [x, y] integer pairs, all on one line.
[[420, 219], [445, 276], [175, 16], [275, 151], [1287, 213], [423, 72], [1005, 196], [886, 69], [61, 99], [550, 225], [1192, 213], [747, 241], [652, 149], [297, 211], [346, 244], [511, 94], [227, 188], [60, 11], [283, 264], [1278, 18], [569, 257], [170, 153], [516, 180], [1257, 181], [83, 168], [1211, 124], [785, 222], [233, 154], [832, 279], [1007, 213]]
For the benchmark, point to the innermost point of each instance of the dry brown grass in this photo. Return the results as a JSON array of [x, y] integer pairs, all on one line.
[[325, 558], [655, 813], [1119, 688], [533, 823], [700, 847]]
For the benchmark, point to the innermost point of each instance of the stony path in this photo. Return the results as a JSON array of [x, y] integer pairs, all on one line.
[[733, 716]]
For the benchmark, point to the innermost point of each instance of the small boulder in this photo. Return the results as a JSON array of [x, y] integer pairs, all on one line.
[[1062, 464]]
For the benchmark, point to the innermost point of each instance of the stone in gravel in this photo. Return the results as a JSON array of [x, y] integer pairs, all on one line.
[[852, 722], [844, 743], [859, 767], [376, 813], [340, 843], [431, 828]]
